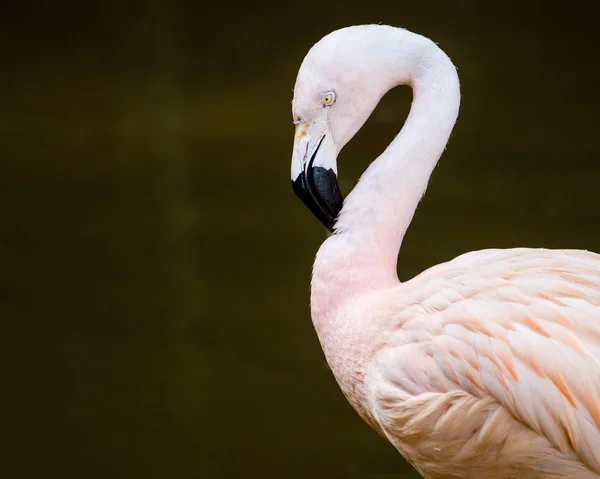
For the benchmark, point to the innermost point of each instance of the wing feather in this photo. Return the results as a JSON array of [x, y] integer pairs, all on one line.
[[520, 328]]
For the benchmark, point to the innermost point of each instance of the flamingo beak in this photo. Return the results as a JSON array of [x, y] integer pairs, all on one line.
[[314, 173]]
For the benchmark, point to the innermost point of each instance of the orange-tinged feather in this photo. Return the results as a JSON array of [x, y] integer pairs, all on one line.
[[533, 361], [550, 298], [559, 382], [509, 364], [533, 324], [573, 342]]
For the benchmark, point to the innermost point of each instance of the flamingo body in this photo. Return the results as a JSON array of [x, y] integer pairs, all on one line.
[[487, 366]]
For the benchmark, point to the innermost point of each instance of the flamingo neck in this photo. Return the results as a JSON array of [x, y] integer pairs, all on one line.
[[362, 254]]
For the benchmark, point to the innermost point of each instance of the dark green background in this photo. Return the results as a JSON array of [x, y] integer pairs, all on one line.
[[154, 262]]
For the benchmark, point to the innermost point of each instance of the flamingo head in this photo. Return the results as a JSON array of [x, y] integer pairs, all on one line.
[[339, 84]]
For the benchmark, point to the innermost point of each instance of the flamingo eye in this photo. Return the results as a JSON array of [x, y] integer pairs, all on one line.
[[328, 98]]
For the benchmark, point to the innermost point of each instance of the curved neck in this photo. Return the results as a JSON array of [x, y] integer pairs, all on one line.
[[378, 211], [362, 254]]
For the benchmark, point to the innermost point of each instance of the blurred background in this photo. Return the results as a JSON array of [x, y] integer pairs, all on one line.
[[155, 263]]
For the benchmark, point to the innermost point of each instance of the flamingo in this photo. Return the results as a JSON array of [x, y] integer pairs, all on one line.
[[486, 366]]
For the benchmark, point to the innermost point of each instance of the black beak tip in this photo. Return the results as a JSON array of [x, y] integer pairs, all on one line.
[[318, 189]]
